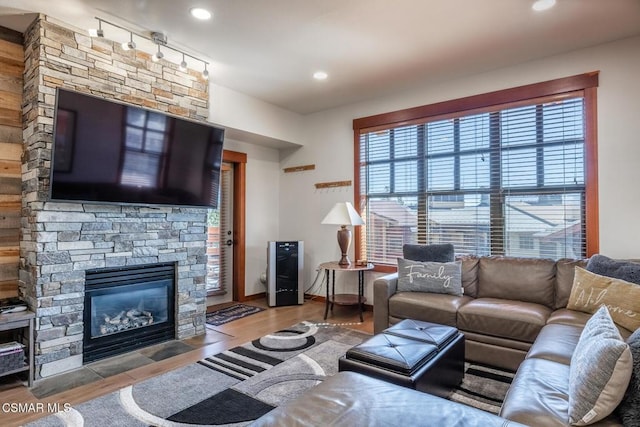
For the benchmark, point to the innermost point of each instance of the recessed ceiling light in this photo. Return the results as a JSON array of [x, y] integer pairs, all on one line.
[[320, 75], [541, 5], [200, 13]]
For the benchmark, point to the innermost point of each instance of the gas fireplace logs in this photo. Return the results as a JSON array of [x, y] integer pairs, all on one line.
[[125, 320]]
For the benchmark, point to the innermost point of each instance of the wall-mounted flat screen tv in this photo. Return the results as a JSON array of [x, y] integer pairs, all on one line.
[[105, 151]]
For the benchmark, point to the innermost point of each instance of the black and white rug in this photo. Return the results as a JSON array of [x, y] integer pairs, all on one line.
[[483, 387], [231, 388], [228, 314], [237, 386]]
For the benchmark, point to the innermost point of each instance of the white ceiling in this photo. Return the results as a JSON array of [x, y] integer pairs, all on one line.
[[269, 49]]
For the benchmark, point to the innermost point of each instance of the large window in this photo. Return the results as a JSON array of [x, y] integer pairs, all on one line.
[[493, 178]]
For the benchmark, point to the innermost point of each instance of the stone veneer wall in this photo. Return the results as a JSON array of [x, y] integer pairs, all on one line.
[[59, 241]]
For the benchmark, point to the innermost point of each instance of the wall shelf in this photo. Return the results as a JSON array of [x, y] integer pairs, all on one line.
[[333, 184], [299, 168]]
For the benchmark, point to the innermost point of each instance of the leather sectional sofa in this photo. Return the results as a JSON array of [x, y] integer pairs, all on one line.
[[513, 316]]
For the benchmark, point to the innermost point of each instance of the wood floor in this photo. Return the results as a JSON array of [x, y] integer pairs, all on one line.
[[238, 332]]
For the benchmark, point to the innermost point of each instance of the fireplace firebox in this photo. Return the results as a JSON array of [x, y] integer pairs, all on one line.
[[127, 308]]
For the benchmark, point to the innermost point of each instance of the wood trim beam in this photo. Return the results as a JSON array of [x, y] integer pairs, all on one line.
[[535, 90], [592, 216]]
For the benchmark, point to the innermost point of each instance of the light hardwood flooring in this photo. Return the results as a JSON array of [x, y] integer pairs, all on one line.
[[226, 336]]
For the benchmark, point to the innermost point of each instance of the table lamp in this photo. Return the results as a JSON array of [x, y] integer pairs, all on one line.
[[343, 214]]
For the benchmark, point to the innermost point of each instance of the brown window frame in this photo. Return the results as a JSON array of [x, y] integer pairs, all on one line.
[[587, 83]]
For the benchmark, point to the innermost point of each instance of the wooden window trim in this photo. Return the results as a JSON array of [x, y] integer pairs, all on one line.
[[587, 83]]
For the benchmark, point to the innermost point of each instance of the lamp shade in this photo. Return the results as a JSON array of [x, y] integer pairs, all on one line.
[[343, 213]]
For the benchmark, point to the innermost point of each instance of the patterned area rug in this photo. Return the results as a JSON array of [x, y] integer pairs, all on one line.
[[237, 386], [231, 388], [234, 312]]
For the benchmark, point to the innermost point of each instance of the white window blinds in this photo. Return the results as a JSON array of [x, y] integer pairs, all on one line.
[[506, 180]]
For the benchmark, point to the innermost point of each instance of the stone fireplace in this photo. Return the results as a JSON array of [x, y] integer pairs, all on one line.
[[60, 242], [126, 308]]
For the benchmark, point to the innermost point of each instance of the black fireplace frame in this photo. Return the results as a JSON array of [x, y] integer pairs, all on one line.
[[102, 281]]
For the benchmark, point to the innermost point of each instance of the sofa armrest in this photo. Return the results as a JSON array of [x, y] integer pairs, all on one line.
[[383, 288]]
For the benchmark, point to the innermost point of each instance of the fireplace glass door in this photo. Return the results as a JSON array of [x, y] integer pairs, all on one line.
[[129, 307]]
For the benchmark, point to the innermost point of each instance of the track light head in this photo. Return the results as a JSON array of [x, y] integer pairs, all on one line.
[[183, 64], [158, 55], [130, 45], [93, 32]]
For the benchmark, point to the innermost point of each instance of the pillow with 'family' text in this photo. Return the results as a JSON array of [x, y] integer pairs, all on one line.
[[435, 277]]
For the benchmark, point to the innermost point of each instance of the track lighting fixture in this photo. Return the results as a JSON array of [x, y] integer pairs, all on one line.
[[130, 45], [158, 38]]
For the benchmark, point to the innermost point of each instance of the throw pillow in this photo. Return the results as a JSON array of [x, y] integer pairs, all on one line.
[[599, 372], [436, 277], [625, 270], [434, 253], [591, 290], [629, 409]]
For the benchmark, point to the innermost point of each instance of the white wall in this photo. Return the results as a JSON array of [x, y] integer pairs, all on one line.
[[330, 147], [236, 110]]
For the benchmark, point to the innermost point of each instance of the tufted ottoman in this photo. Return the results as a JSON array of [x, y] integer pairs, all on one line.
[[424, 356]]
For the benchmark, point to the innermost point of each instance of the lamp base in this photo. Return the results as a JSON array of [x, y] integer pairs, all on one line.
[[344, 241]]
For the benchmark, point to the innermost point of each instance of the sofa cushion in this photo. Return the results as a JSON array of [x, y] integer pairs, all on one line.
[[538, 394], [435, 277], [565, 270], [629, 409], [443, 252], [556, 342], [520, 279], [591, 290], [515, 320], [625, 270], [577, 318], [470, 266], [600, 370], [435, 308], [351, 399]]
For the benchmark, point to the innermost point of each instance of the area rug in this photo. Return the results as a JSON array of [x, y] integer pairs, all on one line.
[[234, 312], [483, 387], [235, 387]]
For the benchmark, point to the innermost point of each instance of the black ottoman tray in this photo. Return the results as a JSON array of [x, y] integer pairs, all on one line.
[[424, 356]]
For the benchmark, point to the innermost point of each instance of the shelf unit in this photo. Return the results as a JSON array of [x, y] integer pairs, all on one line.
[[18, 323]]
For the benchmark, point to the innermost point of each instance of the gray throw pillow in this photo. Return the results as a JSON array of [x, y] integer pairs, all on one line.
[[629, 409], [436, 277], [443, 252], [599, 372], [625, 270]]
